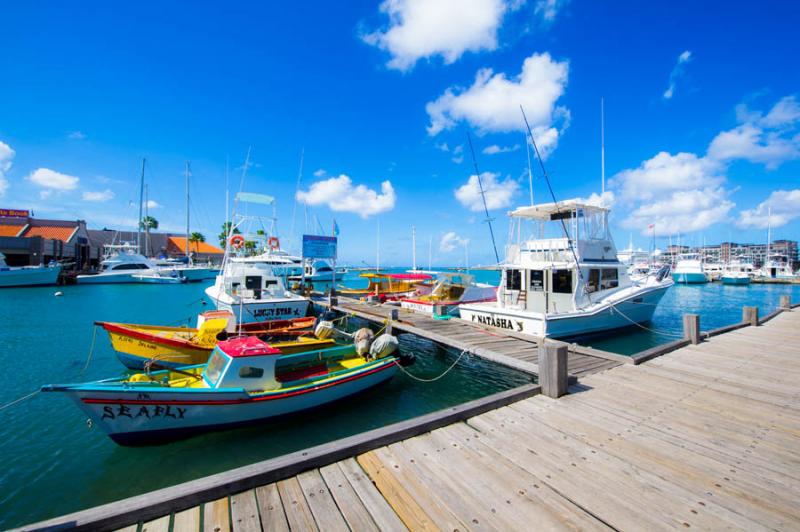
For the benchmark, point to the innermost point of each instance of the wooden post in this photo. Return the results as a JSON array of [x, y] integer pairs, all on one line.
[[786, 302], [691, 327], [553, 369], [750, 315], [394, 315]]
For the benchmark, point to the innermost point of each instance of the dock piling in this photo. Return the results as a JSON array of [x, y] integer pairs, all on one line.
[[750, 315], [691, 327], [553, 369], [786, 302]]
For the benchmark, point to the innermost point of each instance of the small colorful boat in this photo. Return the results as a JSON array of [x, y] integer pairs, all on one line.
[[171, 347], [390, 286], [244, 381], [450, 291]]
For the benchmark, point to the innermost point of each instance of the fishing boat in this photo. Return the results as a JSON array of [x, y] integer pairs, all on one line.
[[776, 266], [450, 290], [569, 285], [27, 275], [136, 345], [739, 272], [245, 381], [318, 270], [159, 278], [122, 263], [390, 286], [689, 269]]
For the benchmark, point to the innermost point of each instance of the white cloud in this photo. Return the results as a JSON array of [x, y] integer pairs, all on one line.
[[443, 147], [492, 103], [548, 9], [76, 135], [103, 195], [606, 199], [6, 160], [420, 29], [451, 241], [677, 72], [498, 193], [152, 204], [785, 207], [339, 194], [769, 139], [495, 149], [320, 173], [52, 180], [682, 211]]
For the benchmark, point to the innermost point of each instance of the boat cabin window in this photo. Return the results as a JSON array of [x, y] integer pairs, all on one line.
[[250, 372], [562, 281], [513, 280], [593, 283], [215, 367], [537, 280], [252, 282], [270, 282], [130, 267], [610, 278]]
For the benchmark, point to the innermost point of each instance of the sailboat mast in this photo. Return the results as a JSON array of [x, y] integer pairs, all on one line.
[[483, 196], [530, 172], [430, 252], [147, 223], [769, 233], [378, 248], [188, 172], [413, 248], [141, 201], [602, 147]]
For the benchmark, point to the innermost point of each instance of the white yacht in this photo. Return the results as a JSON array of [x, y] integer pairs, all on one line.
[[570, 285], [253, 292], [317, 270], [689, 269], [776, 267], [738, 272], [124, 264], [282, 263], [192, 272], [27, 275]]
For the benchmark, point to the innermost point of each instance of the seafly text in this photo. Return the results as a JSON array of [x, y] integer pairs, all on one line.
[[150, 412]]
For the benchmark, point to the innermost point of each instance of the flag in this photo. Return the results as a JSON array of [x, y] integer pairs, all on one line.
[[335, 228], [651, 226]]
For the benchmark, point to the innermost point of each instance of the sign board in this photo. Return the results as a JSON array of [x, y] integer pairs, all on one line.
[[319, 247], [14, 213]]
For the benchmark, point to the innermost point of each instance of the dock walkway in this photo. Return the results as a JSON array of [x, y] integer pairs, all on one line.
[[705, 437], [504, 347]]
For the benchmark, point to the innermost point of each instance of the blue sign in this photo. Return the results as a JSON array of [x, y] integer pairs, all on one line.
[[319, 247]]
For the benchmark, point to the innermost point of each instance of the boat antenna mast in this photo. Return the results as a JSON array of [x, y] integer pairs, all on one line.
[[483, 196], [296, 190], [555, 201], [141, 203], [602, 149], [188, 172]]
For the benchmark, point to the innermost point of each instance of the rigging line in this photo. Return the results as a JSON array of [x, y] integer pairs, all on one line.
[[483, 195], [558, 207], [296, 190], [434, 379]]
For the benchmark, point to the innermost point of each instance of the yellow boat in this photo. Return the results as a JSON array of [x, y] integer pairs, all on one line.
[[389, 286], [171, 347]]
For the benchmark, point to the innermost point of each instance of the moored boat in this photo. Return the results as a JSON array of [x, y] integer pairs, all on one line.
[[450, 290], [27, 275], [390, 286], [689, 269], [245, 381], [735, 278]]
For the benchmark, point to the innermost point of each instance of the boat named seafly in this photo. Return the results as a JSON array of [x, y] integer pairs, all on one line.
[[566, 286], [689, 269]]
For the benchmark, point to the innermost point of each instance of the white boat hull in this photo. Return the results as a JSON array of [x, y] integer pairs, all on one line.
[[27, 276], [114, 277], [635, 309], [250, 310]]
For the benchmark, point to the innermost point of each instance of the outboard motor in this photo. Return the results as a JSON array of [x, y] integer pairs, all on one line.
[[363, 341], [324, 330]]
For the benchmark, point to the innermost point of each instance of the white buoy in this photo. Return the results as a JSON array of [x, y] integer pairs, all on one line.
[[58, 294]]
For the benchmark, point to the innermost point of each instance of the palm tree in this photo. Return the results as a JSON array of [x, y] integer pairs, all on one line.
[[223, 236], [148, 222], [196, 238]]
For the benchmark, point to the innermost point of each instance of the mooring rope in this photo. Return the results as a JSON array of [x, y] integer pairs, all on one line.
[[663, 333], [434, 379]]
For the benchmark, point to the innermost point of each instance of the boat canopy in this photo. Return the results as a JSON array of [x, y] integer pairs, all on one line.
[[554, 211]]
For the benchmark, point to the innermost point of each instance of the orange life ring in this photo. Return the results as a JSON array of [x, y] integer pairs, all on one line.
[[274, 243], [237, 241]]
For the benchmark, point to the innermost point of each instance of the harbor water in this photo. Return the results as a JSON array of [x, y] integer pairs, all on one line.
[[55, 463]]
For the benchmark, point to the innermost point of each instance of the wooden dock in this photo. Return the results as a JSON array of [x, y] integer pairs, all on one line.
[[511, 349], [705, 437]]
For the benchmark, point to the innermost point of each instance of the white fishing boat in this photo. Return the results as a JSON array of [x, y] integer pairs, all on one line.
[[27, 275], [123, 264], [689, 269], [776, 266], [713, 270], [738, 272], [566, 286], [450, 290], [193, 272], [317, 270]]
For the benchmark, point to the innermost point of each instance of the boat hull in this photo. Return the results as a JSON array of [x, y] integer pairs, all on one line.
[[41, 276], [636, 309], [113, 278], [740, 281], [439, 307], [250, 311], [689, 277], [138, 417]]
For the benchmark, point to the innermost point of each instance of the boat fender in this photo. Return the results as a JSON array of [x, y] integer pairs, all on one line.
[[58, 294], [324, 330], [363, 341], [384, 346]]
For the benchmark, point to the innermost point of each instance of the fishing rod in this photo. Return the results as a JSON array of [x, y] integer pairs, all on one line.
[[483, 196], [555, 201]]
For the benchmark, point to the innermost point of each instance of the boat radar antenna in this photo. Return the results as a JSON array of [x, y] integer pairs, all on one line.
[[483, 196], [555, 201]]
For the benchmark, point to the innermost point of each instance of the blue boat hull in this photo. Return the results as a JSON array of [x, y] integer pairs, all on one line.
[[689, 278], [736, 280]]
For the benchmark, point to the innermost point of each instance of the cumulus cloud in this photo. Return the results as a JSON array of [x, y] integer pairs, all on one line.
[[548, 9], [420, 29], [606, 199], [682, 211], [99, 196], [495, 149], [492, 102], [152, 204], [52, 181], [677, 72], [498, 193], [783, 204], [770, 139], [340, 195], [6, 160], [76, 135], [320, 173], [451, 241]]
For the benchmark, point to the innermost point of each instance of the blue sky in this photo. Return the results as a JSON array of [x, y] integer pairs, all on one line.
[[701, 114]]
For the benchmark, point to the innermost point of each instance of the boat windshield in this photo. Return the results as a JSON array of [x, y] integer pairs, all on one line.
[[215, 367]]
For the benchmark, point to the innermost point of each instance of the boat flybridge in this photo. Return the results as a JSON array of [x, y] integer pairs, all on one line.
[[570, 285], [690, 269]]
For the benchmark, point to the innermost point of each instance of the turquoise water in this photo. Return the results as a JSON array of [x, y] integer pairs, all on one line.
[[49, 453], [53, 463]]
